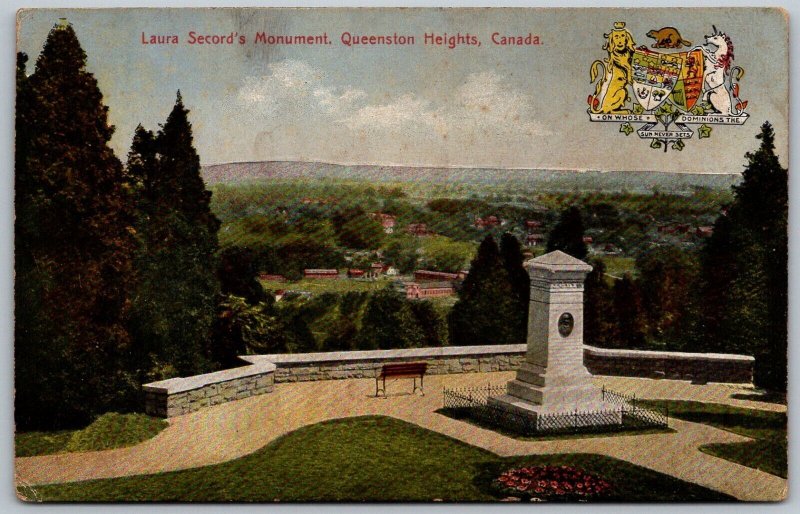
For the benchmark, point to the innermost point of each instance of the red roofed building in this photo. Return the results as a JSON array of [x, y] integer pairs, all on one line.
[[489, 221], [415, 291], [534, 239], [388, 221], [321, 273], [355, 273], [704, 231], [533, 225], [418, 229], [427, 275]]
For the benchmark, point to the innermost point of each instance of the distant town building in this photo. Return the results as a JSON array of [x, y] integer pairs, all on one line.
[[704, 231], [417, 291], [391, 271], [376, 269], [678, 228], [355, 273], [488, 222], [418, 229], [427, 276], [321, 273], [533, 225], [534, 239], [387, 221], [588, 240]]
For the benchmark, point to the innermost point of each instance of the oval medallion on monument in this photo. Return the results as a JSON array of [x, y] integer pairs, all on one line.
[[565, 324]]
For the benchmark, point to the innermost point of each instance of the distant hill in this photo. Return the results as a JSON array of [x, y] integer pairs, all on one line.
[[546, 180]]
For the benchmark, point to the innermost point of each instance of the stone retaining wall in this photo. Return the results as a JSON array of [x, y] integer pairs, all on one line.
[[303, 367], [178, 396], [700, 368]]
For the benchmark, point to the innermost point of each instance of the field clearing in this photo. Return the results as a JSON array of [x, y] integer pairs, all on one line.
[[328, 285], [617, 266]]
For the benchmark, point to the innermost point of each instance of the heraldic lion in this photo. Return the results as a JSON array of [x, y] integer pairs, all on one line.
[[611, 92]]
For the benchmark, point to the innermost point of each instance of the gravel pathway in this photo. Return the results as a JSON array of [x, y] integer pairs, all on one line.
[[228, 431]]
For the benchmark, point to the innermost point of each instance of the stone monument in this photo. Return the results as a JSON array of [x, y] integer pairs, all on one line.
[[553, 379]]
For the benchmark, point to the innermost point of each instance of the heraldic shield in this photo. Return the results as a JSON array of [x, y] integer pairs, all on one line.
[[655, 76], [690, 83]]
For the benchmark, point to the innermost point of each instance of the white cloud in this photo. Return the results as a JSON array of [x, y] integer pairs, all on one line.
[[485, 116], [402, 111], [294, 83]]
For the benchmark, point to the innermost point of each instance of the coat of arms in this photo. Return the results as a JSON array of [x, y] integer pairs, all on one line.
[[665, 87]]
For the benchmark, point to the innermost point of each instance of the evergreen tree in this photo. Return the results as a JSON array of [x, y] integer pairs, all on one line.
[[511, 255], [745, 266], [600, 325], [628, 314], [389, 322], [177, 288], [668, 276], [74, 239], [237, 274], [431, 322], [484, 312], [567, 235]]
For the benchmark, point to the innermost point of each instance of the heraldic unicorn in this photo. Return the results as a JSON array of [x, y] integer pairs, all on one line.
[[666, 88]]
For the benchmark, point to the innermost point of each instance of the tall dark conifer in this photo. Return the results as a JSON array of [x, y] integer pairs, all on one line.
[[629, 315], [511, 255], [177, 288], [485, 308], [599, 323], [74, 239], [567, 235], [745, 268]]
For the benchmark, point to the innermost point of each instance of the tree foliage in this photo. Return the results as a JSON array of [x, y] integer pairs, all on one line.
[[486, 311], [389, 322], [73, 241], [668, 278], [745, 268], [177, 287], [629, 314], [512, 258], [567, 235], [599, 322]]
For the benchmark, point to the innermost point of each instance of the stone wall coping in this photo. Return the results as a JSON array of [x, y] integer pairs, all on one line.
[[261, 364], [181, 384], [382, 355], [647, 354]]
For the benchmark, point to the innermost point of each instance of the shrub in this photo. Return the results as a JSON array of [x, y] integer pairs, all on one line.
[[114, 430]]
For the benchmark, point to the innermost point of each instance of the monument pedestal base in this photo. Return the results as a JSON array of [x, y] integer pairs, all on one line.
[[591, 413]]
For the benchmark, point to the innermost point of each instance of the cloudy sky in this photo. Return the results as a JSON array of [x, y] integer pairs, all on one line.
[[487, 106]]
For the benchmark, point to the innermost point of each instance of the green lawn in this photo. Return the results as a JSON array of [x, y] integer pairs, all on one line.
[[339, 285], [111, 430], [769, 450], [618, 266], [365, 459]]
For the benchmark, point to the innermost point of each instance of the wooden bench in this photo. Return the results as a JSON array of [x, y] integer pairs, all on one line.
[[404, 370]]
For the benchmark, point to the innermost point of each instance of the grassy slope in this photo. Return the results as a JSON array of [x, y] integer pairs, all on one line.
[[364, 459], [340, 285], [111, 430], [769, 450]]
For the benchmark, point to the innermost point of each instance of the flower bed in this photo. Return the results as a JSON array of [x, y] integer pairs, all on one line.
[[551, 483]]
